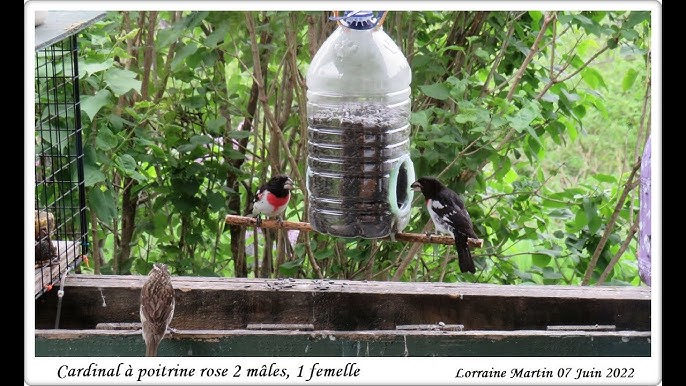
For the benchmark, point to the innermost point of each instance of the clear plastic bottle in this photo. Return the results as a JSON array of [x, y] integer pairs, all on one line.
[[359, 169]]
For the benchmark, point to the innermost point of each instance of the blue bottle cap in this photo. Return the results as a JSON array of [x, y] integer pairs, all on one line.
[[359, 20]]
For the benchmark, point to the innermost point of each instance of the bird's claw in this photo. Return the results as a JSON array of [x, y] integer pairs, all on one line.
[[259, 221]]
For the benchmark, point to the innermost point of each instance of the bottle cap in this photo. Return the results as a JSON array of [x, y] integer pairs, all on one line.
[[359, 19]]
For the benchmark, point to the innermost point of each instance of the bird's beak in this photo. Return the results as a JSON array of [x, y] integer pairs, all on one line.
[[289, 185], [416, 186]]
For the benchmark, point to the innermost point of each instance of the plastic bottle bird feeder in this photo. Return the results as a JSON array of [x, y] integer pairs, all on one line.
[[359, 169]]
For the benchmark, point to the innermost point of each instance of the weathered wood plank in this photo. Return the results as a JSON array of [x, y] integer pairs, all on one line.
[[95, 343], [49, 274], [230, 303]]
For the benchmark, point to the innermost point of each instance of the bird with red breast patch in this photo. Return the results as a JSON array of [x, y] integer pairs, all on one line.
[[449, 215], [271, 199]]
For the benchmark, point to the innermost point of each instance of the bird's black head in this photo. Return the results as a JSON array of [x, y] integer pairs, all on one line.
[[429, 187], [280, 184]]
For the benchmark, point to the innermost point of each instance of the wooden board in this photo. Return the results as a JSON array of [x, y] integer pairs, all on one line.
[[59, 25], [341, 305], [50, 274], [257, 343]]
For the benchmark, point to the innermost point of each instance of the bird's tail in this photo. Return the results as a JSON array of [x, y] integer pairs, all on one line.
[[464, 255], [151, 346]]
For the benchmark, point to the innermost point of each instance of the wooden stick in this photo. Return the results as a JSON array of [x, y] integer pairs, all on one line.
[[305, 227]]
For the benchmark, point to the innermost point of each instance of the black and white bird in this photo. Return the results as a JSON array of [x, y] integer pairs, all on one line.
[[449, 216], [271, 199], [157, 307]]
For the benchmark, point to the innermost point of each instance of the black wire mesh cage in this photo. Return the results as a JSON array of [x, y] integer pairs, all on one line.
[[60, 213]]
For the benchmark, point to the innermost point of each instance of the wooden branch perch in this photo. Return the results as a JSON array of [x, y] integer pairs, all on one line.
[[305, 227]]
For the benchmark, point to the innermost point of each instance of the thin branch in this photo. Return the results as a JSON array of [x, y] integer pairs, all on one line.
[[499, 57], [306, 227], [444, 265], [95, 251], [556, 80], [262, 97], [310, 255], [552, 51], [148, 55], [610, 225], [410, 254], [620, 252], [533, 51], [166, 71]]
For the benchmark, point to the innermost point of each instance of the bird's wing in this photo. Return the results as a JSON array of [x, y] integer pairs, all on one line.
[[158, 310], [455, 213]]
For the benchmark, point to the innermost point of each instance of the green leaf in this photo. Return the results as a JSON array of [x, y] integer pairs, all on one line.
[[420, 118], [594, 224], [591, 212], [93, 67], [92, 174], [216, 201], [437, 91], [233, 154], [186, 147], [194, 102], [239, 134], [579, 111], [583, 19], [182, 54], [103, 204], [580, 219], [593, 78], [629, 79], [165, 37], [586, 45], [216, 36], [540, 259], [126, 162], [535, 16], [549, 273], [523, 275], [550, 97], [636, 17], [534, 135], [200, 139], [605, 178], [523, 118], [105, 139], [482, 54], [91, 104], [323, 254], [216, 126], [289, 268], [121, 81]]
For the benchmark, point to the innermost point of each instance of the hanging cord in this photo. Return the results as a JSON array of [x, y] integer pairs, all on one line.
[[380, 23], [60, 293]]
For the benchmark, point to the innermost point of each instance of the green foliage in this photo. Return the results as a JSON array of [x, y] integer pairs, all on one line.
[[538, 150]]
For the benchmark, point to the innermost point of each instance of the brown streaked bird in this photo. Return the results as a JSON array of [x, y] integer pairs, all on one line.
[[157, 307], [45, 249], [449, 216], [44, 219]]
